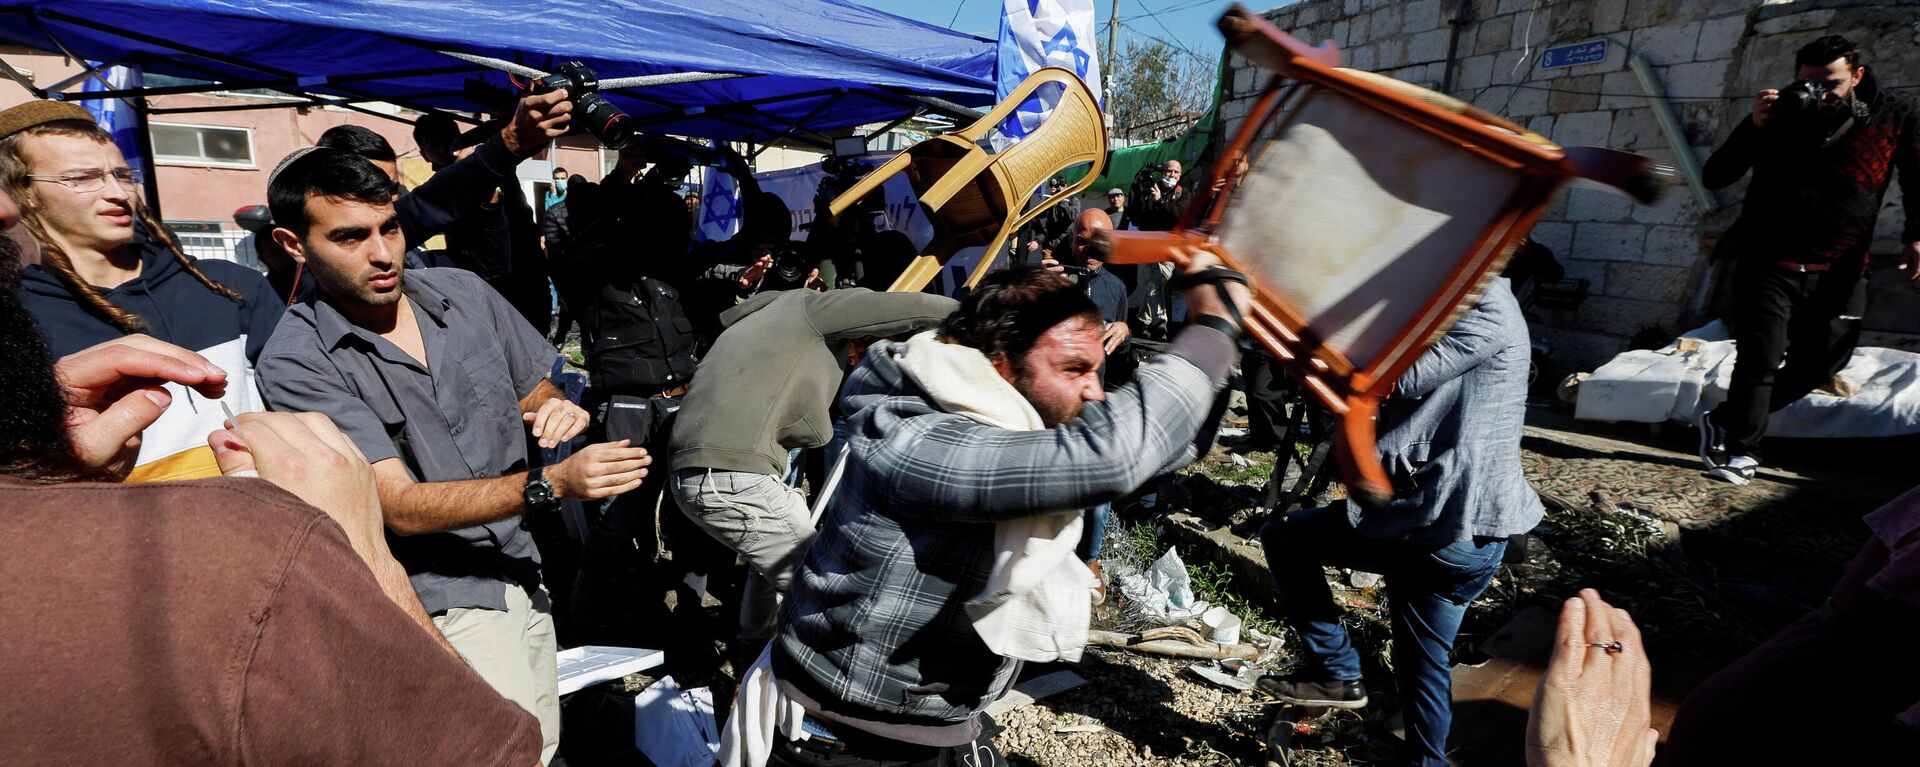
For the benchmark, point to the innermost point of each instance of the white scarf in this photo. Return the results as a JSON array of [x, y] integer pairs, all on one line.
[[1034, 606]]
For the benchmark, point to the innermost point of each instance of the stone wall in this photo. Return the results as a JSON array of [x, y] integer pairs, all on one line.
[[1647, 265]]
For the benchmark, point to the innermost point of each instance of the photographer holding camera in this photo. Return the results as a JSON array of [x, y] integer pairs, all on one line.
[[1822, 152], [1157, 197]]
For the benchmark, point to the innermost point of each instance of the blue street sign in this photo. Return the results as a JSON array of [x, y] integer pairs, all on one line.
[[1590, 52]]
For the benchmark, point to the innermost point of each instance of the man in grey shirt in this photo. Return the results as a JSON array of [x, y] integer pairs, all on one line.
[[436, 379], [1450, 441]]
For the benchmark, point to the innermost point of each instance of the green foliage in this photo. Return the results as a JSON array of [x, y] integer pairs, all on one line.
[[1152, 82]]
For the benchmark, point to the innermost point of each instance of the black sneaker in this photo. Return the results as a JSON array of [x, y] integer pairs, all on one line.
[[1713, 441], [1330, 693]]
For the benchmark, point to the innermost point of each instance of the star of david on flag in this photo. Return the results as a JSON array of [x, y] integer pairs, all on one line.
[[1044, 33], [719, 206]]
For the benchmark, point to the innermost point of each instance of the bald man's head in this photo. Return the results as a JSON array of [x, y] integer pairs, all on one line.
[[1090, 221]]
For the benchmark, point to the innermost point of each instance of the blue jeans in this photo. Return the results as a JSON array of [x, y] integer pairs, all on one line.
[[1093, 532], [1428, 588]]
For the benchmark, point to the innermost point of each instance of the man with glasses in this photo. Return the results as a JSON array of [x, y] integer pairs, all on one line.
[[107, 269]]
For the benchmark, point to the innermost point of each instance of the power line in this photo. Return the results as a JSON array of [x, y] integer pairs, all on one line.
[[1209, 61], [956, 13]]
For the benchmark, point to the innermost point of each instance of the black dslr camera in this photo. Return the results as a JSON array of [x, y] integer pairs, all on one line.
[[1800, 99], [604, 120], [790, 269], [1149, 172]]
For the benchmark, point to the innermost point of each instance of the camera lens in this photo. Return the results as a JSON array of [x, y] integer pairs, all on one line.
[[604, 120]]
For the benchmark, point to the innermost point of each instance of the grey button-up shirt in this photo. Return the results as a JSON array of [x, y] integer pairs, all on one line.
[[457, 418]]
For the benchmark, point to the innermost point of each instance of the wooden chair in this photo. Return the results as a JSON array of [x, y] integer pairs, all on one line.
[[1374, 213], [976, 197]]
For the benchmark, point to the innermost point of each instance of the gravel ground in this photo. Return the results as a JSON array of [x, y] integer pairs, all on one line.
[[1616, 518]]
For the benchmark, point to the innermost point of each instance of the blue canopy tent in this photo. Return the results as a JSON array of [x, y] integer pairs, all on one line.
[[725, 69]]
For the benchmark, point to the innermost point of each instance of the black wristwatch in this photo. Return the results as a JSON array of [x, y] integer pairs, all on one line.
[[539, 492]]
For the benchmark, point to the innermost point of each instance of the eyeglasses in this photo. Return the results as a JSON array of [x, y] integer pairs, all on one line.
[[92, 180]]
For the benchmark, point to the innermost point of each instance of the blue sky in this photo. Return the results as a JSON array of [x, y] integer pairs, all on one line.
[[1186, 22]]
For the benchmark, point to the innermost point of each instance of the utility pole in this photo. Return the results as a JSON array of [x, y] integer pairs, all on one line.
[[1113, 34], [1106, 77]]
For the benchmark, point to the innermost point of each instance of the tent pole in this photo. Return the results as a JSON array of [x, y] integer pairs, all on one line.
[[146, 150], [35, 14], [305, 101], [613, 83], [279, 84], [24, 81], [84, 74]]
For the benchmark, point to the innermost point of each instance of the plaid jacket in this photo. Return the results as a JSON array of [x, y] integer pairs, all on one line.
[[875, 617]]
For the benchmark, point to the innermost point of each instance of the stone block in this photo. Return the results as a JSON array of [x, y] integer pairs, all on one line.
[[1677, 206], [1667, 44], [1635, 129], [1421, 15], [1493, 34], [1556, 235], [1358, 30], [1505, 64], [1542, 125], [1430, 45], [1350, 8], [1362, 57], [1697, 80], [1606, 15], [1514, 6], [1647, 282], [1594, 272], [1530, 30], [1621, 90], [1390, 52], [1595, 205], [1528, 100], [1243, 81], [1623, 316], [1673, 246], [1308, 13], [1582, 128], [1340, 31], [1372, 5], [1474, 73], [1649, 13], [1574, 94], [1805, 20], [1582, 350], [1608, 242], [1386, 23], [1718, 37]]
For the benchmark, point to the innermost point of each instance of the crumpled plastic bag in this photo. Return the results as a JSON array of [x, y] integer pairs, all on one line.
[[1164, 592]]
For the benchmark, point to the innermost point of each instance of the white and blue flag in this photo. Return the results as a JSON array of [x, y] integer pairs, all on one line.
[[720, 206], [1044, 33], [116, 116]]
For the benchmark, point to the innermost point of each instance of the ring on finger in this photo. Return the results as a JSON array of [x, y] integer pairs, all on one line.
[[1612, 648]]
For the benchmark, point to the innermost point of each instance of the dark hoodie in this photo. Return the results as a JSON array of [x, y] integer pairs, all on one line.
[[177, 308], [1809, 202]]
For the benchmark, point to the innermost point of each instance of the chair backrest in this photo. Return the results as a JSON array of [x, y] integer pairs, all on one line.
[[1371, 213], [975, 197]]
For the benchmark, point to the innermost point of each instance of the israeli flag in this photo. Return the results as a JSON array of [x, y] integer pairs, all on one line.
[[1044, 33], [720, 206], [116, 116]]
